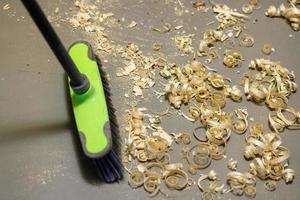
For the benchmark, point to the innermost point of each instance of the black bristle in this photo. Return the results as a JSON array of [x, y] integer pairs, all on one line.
[[109, 166]]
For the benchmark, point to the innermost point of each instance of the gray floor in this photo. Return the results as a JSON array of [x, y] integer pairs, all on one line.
[[40, 154]]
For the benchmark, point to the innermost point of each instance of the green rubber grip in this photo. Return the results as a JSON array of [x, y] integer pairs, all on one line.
[[90, 109]]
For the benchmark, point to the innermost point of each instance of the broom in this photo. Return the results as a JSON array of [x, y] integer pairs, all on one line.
[[89, 93]]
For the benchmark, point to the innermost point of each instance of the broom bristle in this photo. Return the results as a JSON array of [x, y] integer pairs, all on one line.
[[109, 167]]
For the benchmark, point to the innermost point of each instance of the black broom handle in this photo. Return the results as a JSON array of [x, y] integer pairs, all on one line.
[[54, 42]]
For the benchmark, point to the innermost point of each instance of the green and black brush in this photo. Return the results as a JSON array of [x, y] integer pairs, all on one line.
[[89, 93]]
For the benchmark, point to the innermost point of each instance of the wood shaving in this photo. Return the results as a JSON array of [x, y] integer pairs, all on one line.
[[6, 6], [246, 40], [247, 8], [156, 46], [178, 27], [290, 12], [267, 48], [232, 164], [184, 43], [155, 29], [232, 59], [130, 67], [199, 5], [132, 24], [56, 10], [137, 91], [167, 27]]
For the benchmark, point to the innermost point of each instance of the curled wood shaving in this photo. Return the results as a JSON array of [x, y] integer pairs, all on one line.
[[241, 183], [247, 8], [279, 121], [212, 55], [210, 37], [234, 93], [267, 48], [290, 12], [250, 191], [6, 7], [246, 40], [270, 185], [212, 175], [232, 164], [152, 185], [241, 124], [172, 179], [156, 46], [288, 175], [232, 59], [273, 86], [213, 188], [198, 157], [136, 178], [269, 158]]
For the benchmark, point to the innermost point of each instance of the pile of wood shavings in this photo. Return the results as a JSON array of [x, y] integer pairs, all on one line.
[[147, 146], [88, 18], [191, 83], [138, 67], [290, 12]]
